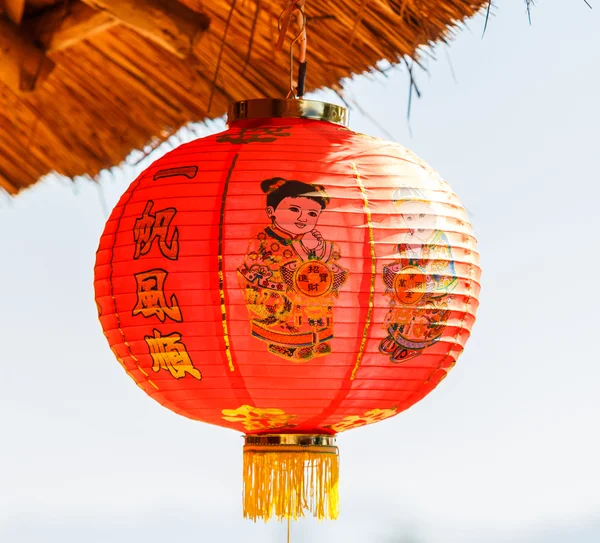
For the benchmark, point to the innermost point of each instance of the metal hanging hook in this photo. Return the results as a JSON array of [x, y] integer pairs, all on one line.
[[294, 7]]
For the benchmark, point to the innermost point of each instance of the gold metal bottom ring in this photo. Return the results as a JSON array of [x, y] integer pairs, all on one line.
[[289, 440]]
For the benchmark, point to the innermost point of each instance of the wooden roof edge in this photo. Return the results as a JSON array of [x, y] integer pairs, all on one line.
[[24, 63], [8, 186], [55, 29]]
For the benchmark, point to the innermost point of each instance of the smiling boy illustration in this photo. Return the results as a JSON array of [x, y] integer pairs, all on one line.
[[290, 275]]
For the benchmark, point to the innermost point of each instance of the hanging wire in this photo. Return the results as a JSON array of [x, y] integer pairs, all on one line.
[[294, 7], [6, 197], [101, 196], [221, 48], [252, 34], [450, 64], [528, 4], [358, 20], [487, 17], [412, 86]]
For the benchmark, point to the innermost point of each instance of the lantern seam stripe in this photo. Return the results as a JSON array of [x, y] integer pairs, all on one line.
[[373, 270], [220, 261], [458, 325], [190, 271]]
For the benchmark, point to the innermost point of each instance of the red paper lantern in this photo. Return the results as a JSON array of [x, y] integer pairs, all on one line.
[[290, 279]]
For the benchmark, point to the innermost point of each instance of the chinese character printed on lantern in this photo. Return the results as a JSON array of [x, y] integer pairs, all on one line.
[[267, 134], [185, 171], [151, 296], [313, 279], [169, 353], [151, 226]]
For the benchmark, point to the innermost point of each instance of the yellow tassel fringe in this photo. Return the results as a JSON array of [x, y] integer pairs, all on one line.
[[284, 481]]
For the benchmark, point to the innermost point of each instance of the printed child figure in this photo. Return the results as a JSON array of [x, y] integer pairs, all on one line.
[[418, 283], [290, 276]]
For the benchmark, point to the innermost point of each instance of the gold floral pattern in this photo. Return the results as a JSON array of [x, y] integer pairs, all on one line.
[[255, 418], [355, 421]]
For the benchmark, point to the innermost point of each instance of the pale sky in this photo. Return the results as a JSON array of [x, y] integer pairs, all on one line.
[[505, 449]]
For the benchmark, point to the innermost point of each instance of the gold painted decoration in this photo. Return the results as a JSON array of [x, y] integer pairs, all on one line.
[[254, 418], [355, 421]]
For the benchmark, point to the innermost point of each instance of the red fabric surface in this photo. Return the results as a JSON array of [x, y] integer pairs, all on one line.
[[290, 317]]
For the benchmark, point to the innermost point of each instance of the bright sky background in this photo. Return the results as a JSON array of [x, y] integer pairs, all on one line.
[[506, 449]]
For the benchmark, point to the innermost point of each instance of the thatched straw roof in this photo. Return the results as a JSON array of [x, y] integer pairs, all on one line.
[[83, 83]]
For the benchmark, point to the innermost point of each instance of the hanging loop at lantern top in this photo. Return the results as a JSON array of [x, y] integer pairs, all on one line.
[[294, 8]]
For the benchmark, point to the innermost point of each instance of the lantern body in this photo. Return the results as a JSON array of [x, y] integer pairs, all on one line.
[[288, 276], [327, 311]]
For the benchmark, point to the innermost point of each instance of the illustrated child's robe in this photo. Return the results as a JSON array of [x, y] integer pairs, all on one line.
[[290, 291], [418, 285]]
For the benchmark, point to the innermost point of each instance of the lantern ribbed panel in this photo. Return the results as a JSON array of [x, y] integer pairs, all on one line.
[[224, 320]]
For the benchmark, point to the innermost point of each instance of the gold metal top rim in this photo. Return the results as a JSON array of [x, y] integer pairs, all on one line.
[[298, 440], [268, 108]]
